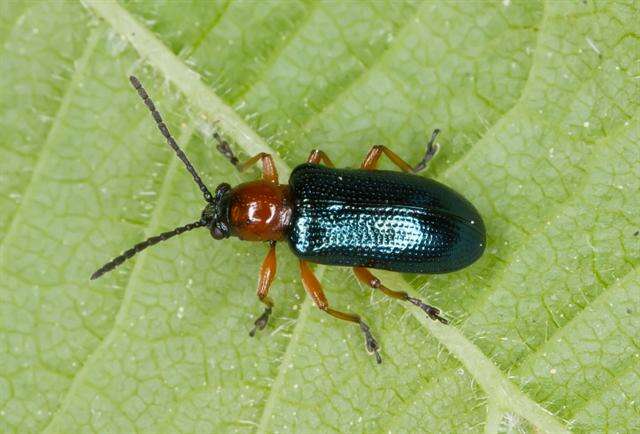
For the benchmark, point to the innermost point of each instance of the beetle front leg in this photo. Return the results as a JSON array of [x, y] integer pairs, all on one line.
[[369, 279], [373, 156], [314, 289], [224, 148], [267, 273], [269, 172]]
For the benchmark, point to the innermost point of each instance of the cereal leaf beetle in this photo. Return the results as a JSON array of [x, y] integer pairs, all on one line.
[[361, 218]]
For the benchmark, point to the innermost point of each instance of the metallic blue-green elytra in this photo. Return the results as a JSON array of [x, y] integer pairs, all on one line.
[[382, 219]]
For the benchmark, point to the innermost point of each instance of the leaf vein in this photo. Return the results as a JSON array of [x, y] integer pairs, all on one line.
[[46, 148], [210, 27], [128, 292], [278, 383], [492, 380], [198, 94], [275, 54]]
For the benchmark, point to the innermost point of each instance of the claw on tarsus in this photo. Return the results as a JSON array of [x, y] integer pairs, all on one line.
[[261, 322], [432, 312], [370, 343]]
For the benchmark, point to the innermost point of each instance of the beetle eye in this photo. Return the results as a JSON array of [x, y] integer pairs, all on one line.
[[219, 232], [222, 189]]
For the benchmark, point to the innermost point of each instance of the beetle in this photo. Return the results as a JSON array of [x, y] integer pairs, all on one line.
[[361, 218]]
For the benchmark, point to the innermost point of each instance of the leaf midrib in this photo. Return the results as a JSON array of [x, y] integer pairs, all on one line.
[[521, 364], [270, 402], [493, 381]]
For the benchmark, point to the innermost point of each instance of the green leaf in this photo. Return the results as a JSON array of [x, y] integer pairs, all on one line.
[[539, 107]]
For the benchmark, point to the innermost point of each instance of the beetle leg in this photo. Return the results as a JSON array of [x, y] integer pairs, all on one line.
[[317, 156], [269, 172], [369, 279], [432, 149], [267, 273], [313, 287], [371, 160], [224, 148]]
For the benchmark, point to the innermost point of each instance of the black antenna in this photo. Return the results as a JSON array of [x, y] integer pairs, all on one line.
[[165, 132], [143, 245]]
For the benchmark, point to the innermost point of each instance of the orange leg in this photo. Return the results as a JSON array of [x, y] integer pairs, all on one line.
[[267, 273], [269, 172], [317, 156], [314, 289], [369, 279], [371, 160]]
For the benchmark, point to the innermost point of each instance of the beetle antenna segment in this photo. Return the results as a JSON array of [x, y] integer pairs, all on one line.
[[165, 132], [432, 149], [143, 245]]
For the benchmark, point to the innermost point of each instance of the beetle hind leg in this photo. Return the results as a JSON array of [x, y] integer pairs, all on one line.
[[313, 287], [370, 342], [432, 312], [366, 277]]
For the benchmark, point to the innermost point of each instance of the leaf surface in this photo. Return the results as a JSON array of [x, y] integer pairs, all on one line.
[[539, 107]]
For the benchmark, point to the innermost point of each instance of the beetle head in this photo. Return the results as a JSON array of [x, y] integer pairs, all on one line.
[[215, 214]]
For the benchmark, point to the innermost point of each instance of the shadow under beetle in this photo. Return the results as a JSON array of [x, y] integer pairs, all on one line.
[[362, 218]]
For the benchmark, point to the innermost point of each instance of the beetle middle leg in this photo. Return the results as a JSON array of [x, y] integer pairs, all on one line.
[[366, 277], [269, 172], [371, 160], [313, 287], [316, 156], [267, 273]]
